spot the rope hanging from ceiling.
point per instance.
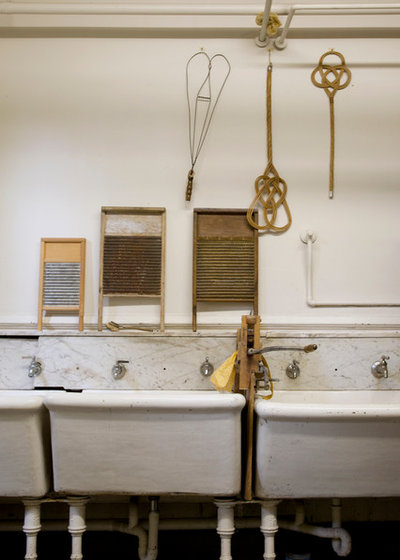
(331, 78)
(270, 188)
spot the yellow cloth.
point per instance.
(224, 376)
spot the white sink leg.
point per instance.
(31, 527)
(225, 526)
(269, 526)
(77, 525)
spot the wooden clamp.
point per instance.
(248, 337)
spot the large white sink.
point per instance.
(146, 442)
(24, 445)
(328, 444)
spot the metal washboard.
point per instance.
(62, 276)
(132, 255)
(225, 258)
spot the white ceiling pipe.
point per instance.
(309, 239)
(87, 8)
(262, 38)
(92, 8)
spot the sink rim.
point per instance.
(143, 399)
(330, 405)
(24, 399)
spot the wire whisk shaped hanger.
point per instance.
(203, 91)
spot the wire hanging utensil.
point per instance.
(270, 188)
(203, 104)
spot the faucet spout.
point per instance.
(307, 349)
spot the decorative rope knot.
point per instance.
(331, 75)
(270, 188)
(274, 23)
(332, 78)
(271, 192)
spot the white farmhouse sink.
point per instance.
(146, 442)
(24, 441)
(328, 444)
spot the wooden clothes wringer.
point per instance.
(248, 336)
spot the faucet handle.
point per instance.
(206, 368)
(35, 367)
(119, 369)
(293, 370)
(379, 368)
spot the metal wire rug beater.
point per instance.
(202, 106)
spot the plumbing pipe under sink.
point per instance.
(147, 531)
(341, 539)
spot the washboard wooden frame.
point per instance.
(132, 255)
(62, 277)
(225, 258)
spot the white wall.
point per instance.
(92, 122)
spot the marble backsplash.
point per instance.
(173, 362)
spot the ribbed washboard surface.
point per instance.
(61, 285)
(225, 269)
(132, 265)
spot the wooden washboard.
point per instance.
(62, 276)
(132, 255)
(225, 258)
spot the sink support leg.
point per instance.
(77, 525)
(31, 527)
(225, 526)
(269, 526)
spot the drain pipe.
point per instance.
(342, 546)
(341, 539)
(148, 540)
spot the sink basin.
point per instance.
(24, 444)
(328, 444)
(146, 442)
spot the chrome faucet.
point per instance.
(119, 369)
(293, 370)
(206, 368)
(379, 368)
(35, 367)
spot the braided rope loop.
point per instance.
(270, 188)
(331, 78)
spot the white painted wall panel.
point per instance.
(86, 123)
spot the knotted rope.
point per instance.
(330, 78)
(274, 23)
(270, 188)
